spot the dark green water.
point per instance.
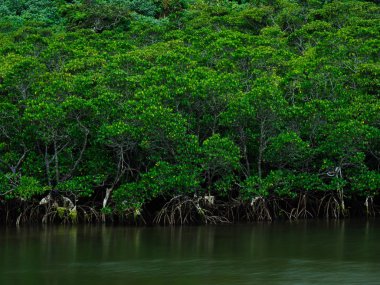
(279, 253)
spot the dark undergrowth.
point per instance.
(185, 210)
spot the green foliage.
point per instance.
(24, 187)
(220, 161)
(145, 7)
(98, 17)
(162, 179)
(129, 196)
(366, 183)
(287, 150)
(252, 187)
(278, 183)
(160, 98)
(82, 186)
(31, 10)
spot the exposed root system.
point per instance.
(183, 209)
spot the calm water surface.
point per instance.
(315, 252)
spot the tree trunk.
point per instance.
(56, 162)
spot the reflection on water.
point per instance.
(316, 252)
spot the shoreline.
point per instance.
(185, 210)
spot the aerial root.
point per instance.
(260, 209)
(186, 210)
(330, 206)
(301, 212)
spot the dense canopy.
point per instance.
(179, 111)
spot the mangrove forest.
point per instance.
(188, 111)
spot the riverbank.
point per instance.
(188, 111)
(182, 210)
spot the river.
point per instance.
(307, 252)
